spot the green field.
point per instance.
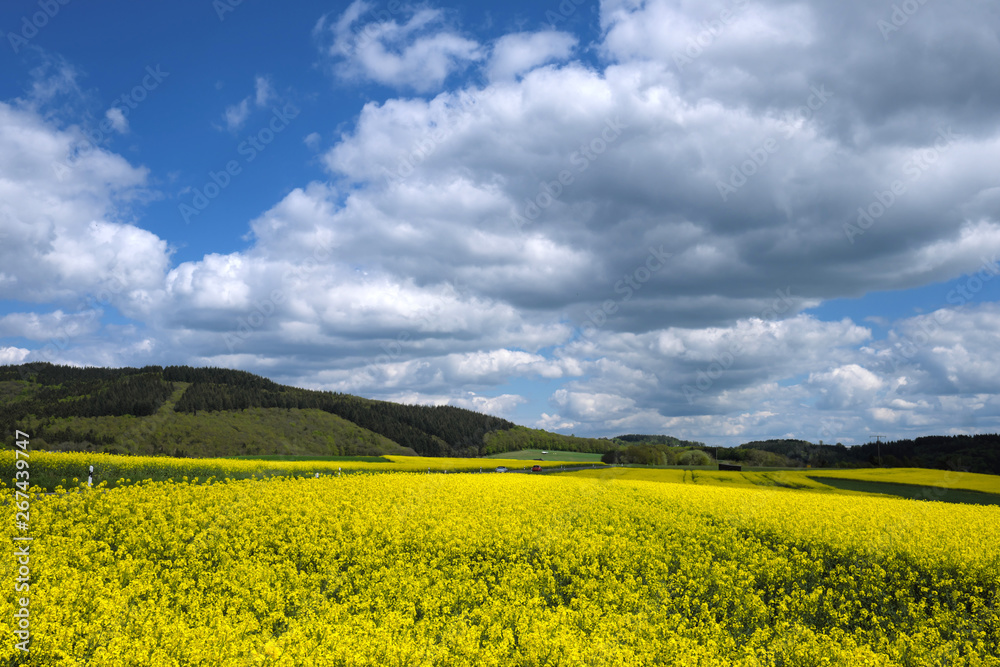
(922, 477)
(911, 491)
(553, 455)
(911, 483)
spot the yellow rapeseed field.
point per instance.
(930, 480)
(411, 569)
(782, 478)
(50, 469)
(944, 479)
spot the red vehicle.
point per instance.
(536, 468)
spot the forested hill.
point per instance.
(972, 453)
(68, 405)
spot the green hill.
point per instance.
(219, 433)
(184, 411)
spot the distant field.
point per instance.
(706, 477)
(50, 470)
(913, 491)
(913, 483)
(944, 479)
(553, 455)
(309, 457)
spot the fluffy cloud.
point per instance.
(849, 386)
(118, 120)
(554, 423)
(418, 54)
(49, 326)
(592, 406)
(517, 53)
(13, 355)
(62, 203)
(501, 406)
(657, 184)
(950, 352)
(717, 370)
(648, 249)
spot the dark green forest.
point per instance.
(49, 392)
(521, 437)
(969, 453)
(63, 391)
(428, 430)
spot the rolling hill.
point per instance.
(185, 411)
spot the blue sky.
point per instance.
(724, 220)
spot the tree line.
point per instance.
(973, 453)
(656, 454)
(656, 450)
